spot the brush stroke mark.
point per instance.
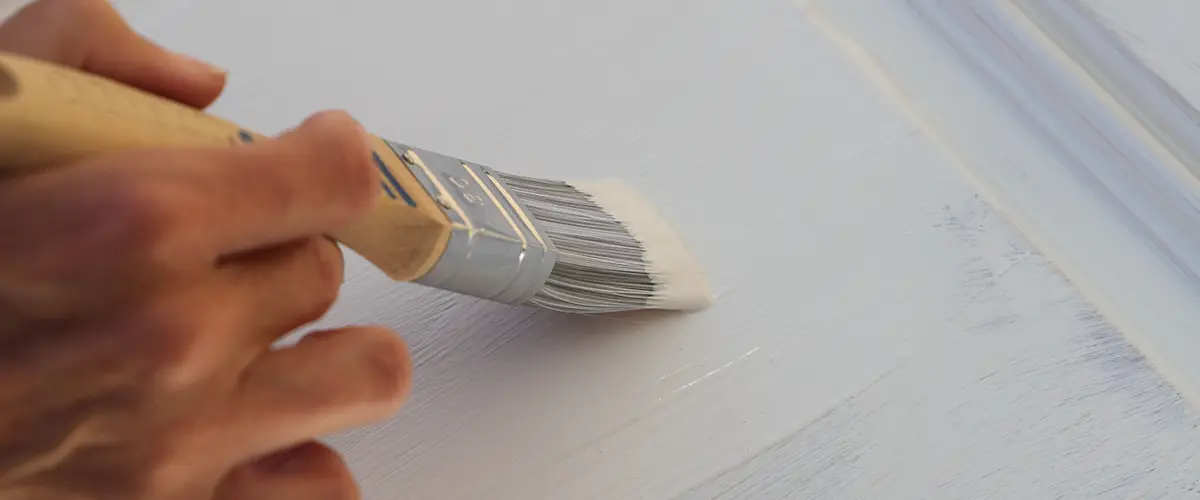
(715, 371)
(994, 406)
(981, 419)
(1114, 210)
(1149, 98)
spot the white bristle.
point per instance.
(615, 252)
(680, 281)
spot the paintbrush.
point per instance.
(439, 221)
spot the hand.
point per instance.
(141, 295)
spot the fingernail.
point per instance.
(198, 65)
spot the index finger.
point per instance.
(307, 182)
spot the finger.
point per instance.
(283, 287)
(151, 211)
(328, 382)
(193, 206)
(308, 182)
(91, 35)
(255, 299)
(310, 471)
(81, 217)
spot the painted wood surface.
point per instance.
(1161, 33)
(881, 331)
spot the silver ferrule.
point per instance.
(496, 251)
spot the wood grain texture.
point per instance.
(880, 330)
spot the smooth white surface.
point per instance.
(879, 331)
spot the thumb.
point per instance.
(91, 35)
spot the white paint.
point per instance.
(1036, 398)
(1122, 73)
(879, 331)
(1161, 33)
(1064, 161)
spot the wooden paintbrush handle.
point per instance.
(50, 114)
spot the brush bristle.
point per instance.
(615, 252)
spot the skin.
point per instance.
(142, 295)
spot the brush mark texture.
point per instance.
(1065, 160)
(1161, 34)
(880, 331)
(1033, 397)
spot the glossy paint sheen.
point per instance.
(880, 330)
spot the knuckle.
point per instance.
(169, 342)
(344, 143)
(133, 218)
(166, 337)
(91, 213)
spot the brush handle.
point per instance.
(50, 114)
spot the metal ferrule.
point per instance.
(496, 249)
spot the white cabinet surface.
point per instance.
(880, 330)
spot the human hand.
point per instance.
(141, 294)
